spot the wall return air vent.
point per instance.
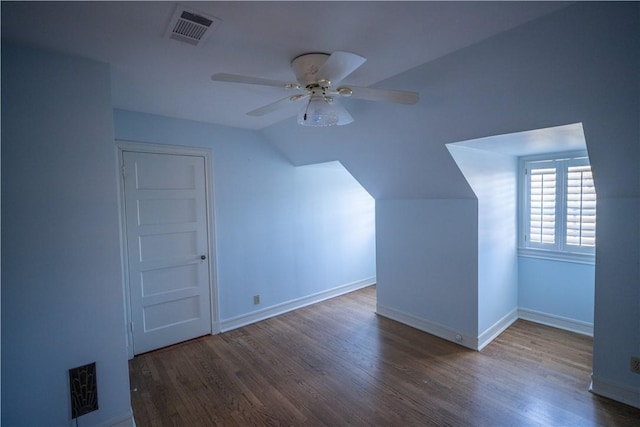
(190, 26)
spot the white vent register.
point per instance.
(190, 26)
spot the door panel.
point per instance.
(167, 236)
(166, 211)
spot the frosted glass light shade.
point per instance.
(318, 112)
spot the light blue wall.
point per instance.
(335, 229)
(62, 300)
(281, 231)
(578, 65)
(493, 178)
(558, 293)
(419, 264)
(617, 297)
(564, 289)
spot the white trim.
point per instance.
(559, 322)
(575, 257)
(559, 250)
(123, 252)
(485, 338)
(256, 316)
(148, 147)
(432, 328)
(496, 329)
(125, 421)
(120, 421)
(143, 147)
(616, 391)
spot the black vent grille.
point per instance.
(190, 27)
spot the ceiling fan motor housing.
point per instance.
(306, 67)
(316, 72)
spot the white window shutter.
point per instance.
(580, 207)
(558, 207)
(542, 205)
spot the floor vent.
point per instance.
(83, 385)
(191, 27)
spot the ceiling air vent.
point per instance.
(190, 26)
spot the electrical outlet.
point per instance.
(635, 365)
(256, 299)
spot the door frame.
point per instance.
(143, 147)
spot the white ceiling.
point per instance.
(555, 139)
(153, 74)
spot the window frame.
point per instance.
(559, 250)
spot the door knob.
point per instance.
(203, 257)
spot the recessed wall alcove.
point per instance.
(552, 292)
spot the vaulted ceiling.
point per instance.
(481, 68)
(154, 74)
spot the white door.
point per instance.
(167, 246)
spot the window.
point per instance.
(558, 208)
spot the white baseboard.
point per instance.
(429, 327)
(612, 390)
(125, 420)
(215, 327)
(256, 316)
(121, 421)
(484, 339)
(559, 322)
(496, 329)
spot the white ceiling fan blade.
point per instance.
(236, 78)
(386, 95)
(276, 105)
(338, 66)
(344, 118)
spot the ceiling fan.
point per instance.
(316, 75)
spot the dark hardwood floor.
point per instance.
(337, 363)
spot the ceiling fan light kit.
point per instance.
(315, 73)
(318, 112)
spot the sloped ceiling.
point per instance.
(161, 76)
(553, 71)
(395, 151)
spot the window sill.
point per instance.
(578, 258)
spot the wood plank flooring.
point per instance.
(337, 363)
